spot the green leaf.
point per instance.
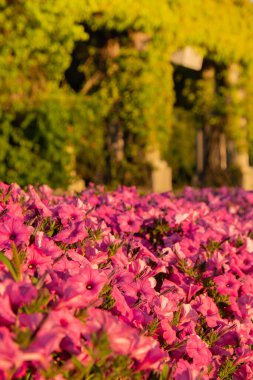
(16, 261)
(9, 265)
(40, 303)
(165, 372)
(227, 370)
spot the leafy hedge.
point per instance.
(101, 71)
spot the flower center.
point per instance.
(89, 286)
(13, 236)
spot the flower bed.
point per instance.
(119, 286)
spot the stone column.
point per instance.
(161, 175)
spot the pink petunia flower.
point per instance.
(70, 213)
(207, 307)
(198, 351)
(59, 330)
(147, 352)
(129, 222)
(72, 234)
(21, 293)
(47, 245)
(83, 289)
(164, 306)
(36, 260)
(188, 314)
(14, 230)
(7, 317)
(167, 331)
(187, 371)
(245, 305)
(227, 284)
(36, 203)
(154, 358)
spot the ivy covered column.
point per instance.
(209, 137)
(237, 124)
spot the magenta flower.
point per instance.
(32, 321)
(186, 371)
(60, 330)
(140, 289)
(47, 246)
(14, 230)
(227, 284)
(21, 293)
(148, 354)
(247, 285)
(36, 260)
(84, 288)
(188, 314)
(165, 306)
(207, 307)
(198, 351)
(47, 341)
(72, 234)
(70, 213)
(7, 317)
(167, 331)
(15, 209)
(153, 360)
(35, 202)
(121, 337)
(155, 282)
(245, 304)
(121, 305)
(129, 222)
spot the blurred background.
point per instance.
(152, 93)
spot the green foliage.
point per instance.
(14, 265)
(182, 152)
(248, 75)
(36, 40)
(34, 146)
(176, 316)
(106, 365)
(39, 304)
(151, 328)
(108, 300)
(9, 265)
(156, 232)
(126, 111)
(220, 28)
(227, 370)
(96, 76)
